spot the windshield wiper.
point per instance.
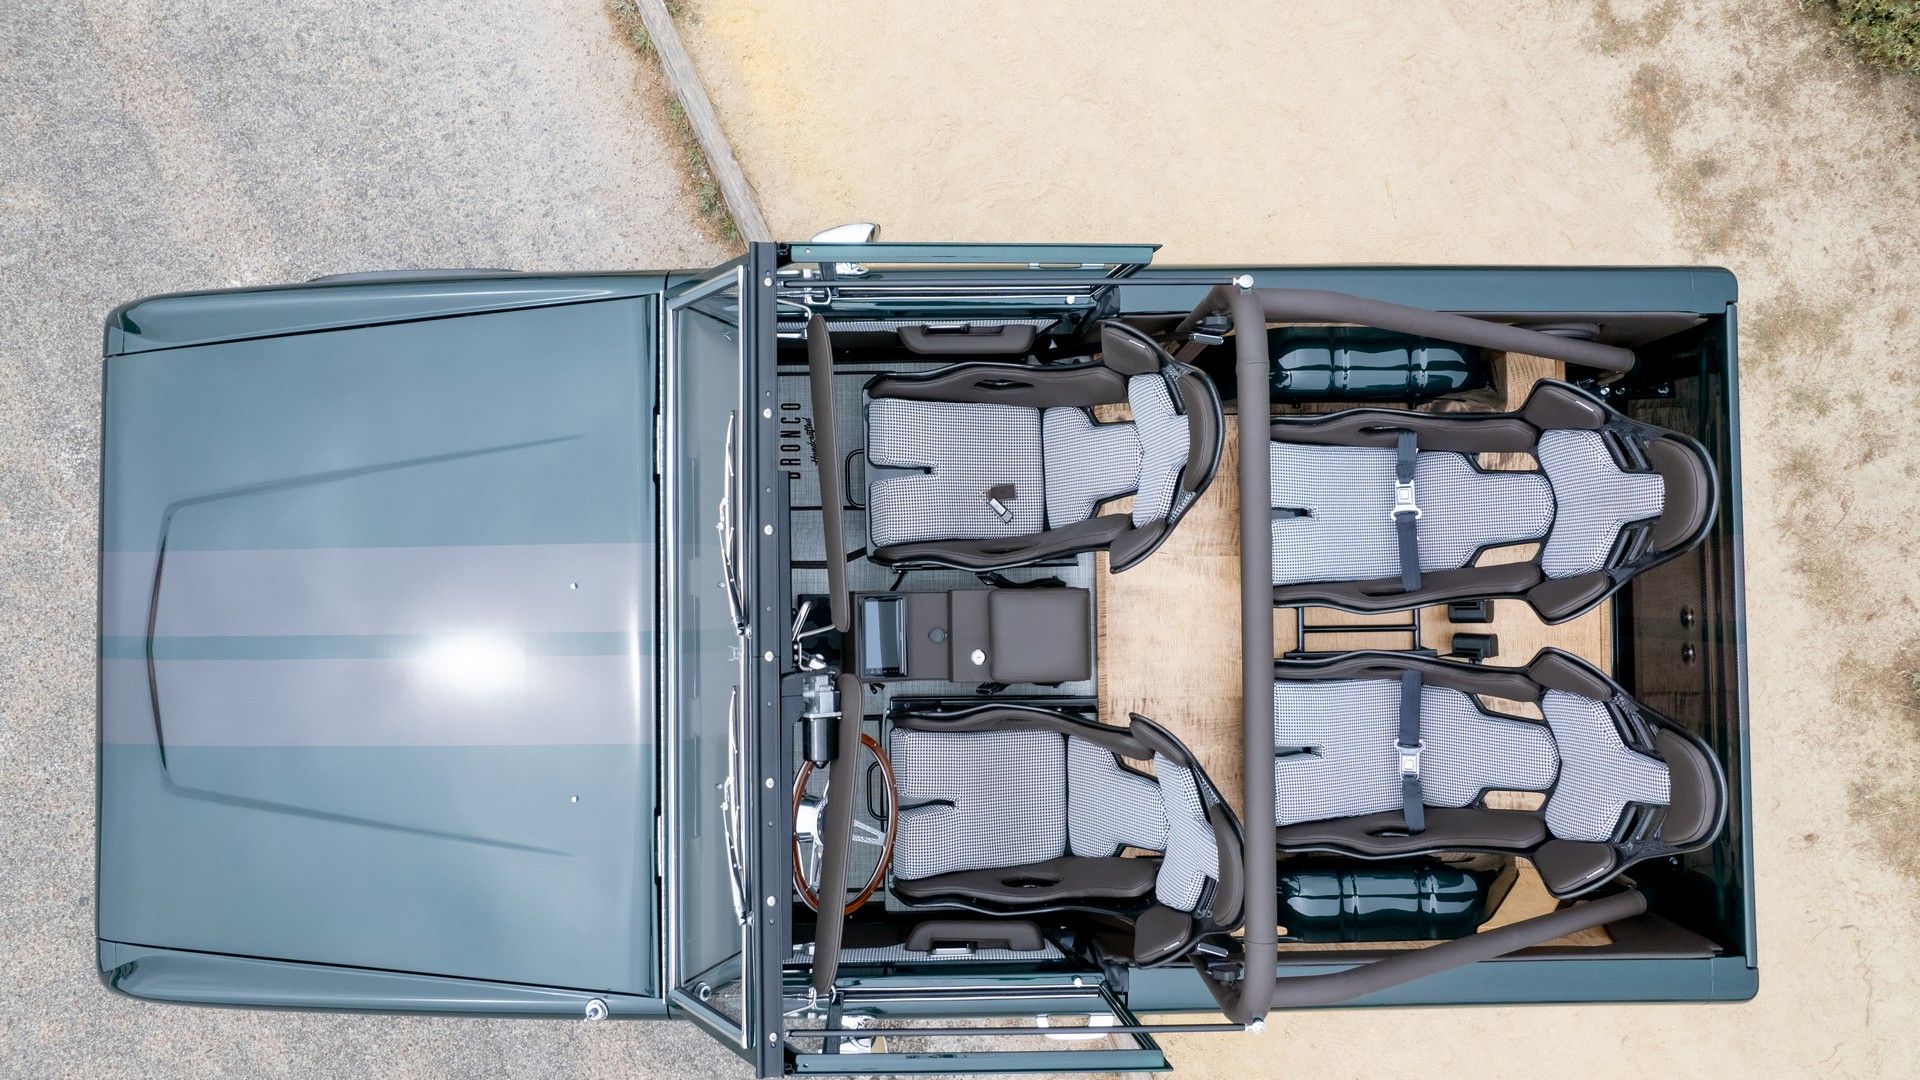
(732, 812)
(729, 537)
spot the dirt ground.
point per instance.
(1636, 131)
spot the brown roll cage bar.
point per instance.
(1245, 1000)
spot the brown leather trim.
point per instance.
(1500, 682)
(1231, 884)
(826, 460)
(1128, 351)
(1568, 865)
(1448, 828)
(1010, 339)
(1026, 718)
(1007, 384)
(1557, 670)
(1554, 404)
(1693, 791)
(969, 632)
(1065, 878)
(1039, 635)
(1089, 535)
(1438, 587)
(1689, 492)
(1466, 433)
(1204, 427)
(926, 613)
(1015, 934)
(1160, 932)
(1560, 599)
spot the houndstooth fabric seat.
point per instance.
(1009, 808)
(1612, 498)
(992, 465)
(1621, 783)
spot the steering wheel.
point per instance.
(806, 830)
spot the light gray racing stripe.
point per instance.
(534, 588)
(465, 692)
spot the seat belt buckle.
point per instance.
(1409, 758)
(1403, 501)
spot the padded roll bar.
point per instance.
(1260, 986)
(826, 452)
(1321, 306)
(837, 833)
(1247, 1001)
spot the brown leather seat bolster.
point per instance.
(1437, 587)
(1554, 404)
(1696, 795)
(1557, 670)
(1205, 432)
(1560, 599)
(1690, 495)
(1497, 682)
(1448, 829)
(1001, 383)
(1058, 880)
(1466, 433)
(993, 717)
(1566, 866)
(1011, 551)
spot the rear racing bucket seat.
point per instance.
(1385, 509)
(991, 465)
(1010, 810)
(1381, 755)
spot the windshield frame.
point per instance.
(758, 752)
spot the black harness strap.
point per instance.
(1406, 512)
(1408, 745)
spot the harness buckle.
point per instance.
(1403, 501)
(1409, 758)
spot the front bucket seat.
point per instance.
(1009, 809)
(989, 465)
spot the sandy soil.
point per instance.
(1535, 132)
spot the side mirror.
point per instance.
(854, 232)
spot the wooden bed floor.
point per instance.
(1169, 629)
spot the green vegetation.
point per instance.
(1886, 33)
(693, 160)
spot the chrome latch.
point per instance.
(1403, 502)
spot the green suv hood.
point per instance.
(377, 617)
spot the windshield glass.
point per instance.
(706, 651)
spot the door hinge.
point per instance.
(659, 846)
(659, 446)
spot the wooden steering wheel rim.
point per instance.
(800, 883)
